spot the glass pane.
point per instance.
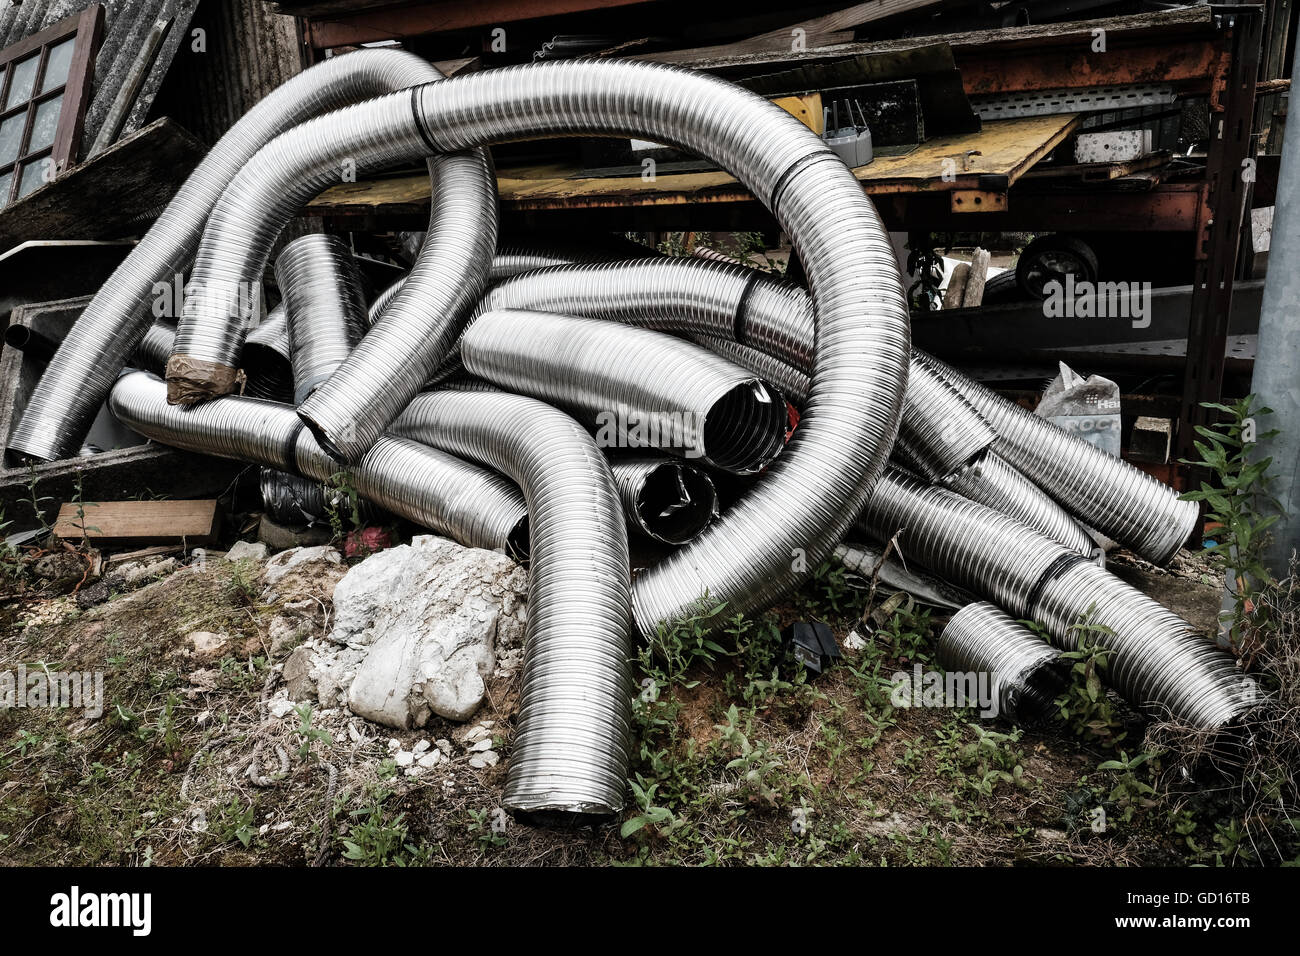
(24, 81)
(56, 66)
(46, 124)
(33, 176)
(11, 138)
(5, 182)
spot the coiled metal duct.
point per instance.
(1025, 672)
(634, 387)
(519, 255)
(664, 499)
(1101, 490)
(477, 507)
(1158, 662)
(69, 394)
(751, 556)
(324, 305)
(572, 739)
(731, 302)
(155, 346)
(986, 479)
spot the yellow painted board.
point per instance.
(1006, 147)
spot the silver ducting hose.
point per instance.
(1101, 490)
(324, 305)
(1024, 672)
(635, 388)
(986, 479)
(571, 745)
(69, 394)
(477, 507)
(735, 303)
(520, 255)
(757, 551)
(991, 481)
(156, 345)
(423, 319)
(1158, 663)
(664, 499)
(268, 361)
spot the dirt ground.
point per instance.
(199, 758)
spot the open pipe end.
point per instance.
(676, 503)
(270, 375)
(744, 430)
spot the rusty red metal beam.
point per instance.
(1190, 62)
(438, 16)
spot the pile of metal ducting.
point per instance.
(546, 401)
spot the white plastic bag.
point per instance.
(1086, 407)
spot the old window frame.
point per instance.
(87, 29)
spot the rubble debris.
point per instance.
(431, 614)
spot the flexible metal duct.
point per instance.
(731, 302)
(991, 481)
(1102, 491)
(1158, 662)
(477, 507)
(69, 394)
(1025, 673)
(987, 478)
(423, 319)
(155, 346)
(755, 553)
(664, 499)
(520, 255)
(570, 750)
(324, 305)
(268, 363)
(634, 387)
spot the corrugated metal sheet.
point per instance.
(126, 24)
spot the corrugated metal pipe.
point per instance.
(69, 394)
(1101, 490)
(665, 499)
(324, 305)
(268, 362)
(571, 744)
(986, 478)
(1158, 662)
(1025, 674)
(477, 507)
(291, 500)
(635, 388)
(948, 418)
(696, 296)
(753, 554)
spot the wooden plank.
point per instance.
(141, 522)
(1098, 172)
(953, 295)
(1004, 148)
(108, 195)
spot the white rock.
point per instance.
(431, 613)
(444, 746)
(284, 562)
(247, 549)
(394, 744)
(480, 746)
(490, 757)
(854, 641)
(477, 762)
(355, 734)
(475, 734)
(281, 708)
(404, 758)
(429, 760)
(421, 746)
